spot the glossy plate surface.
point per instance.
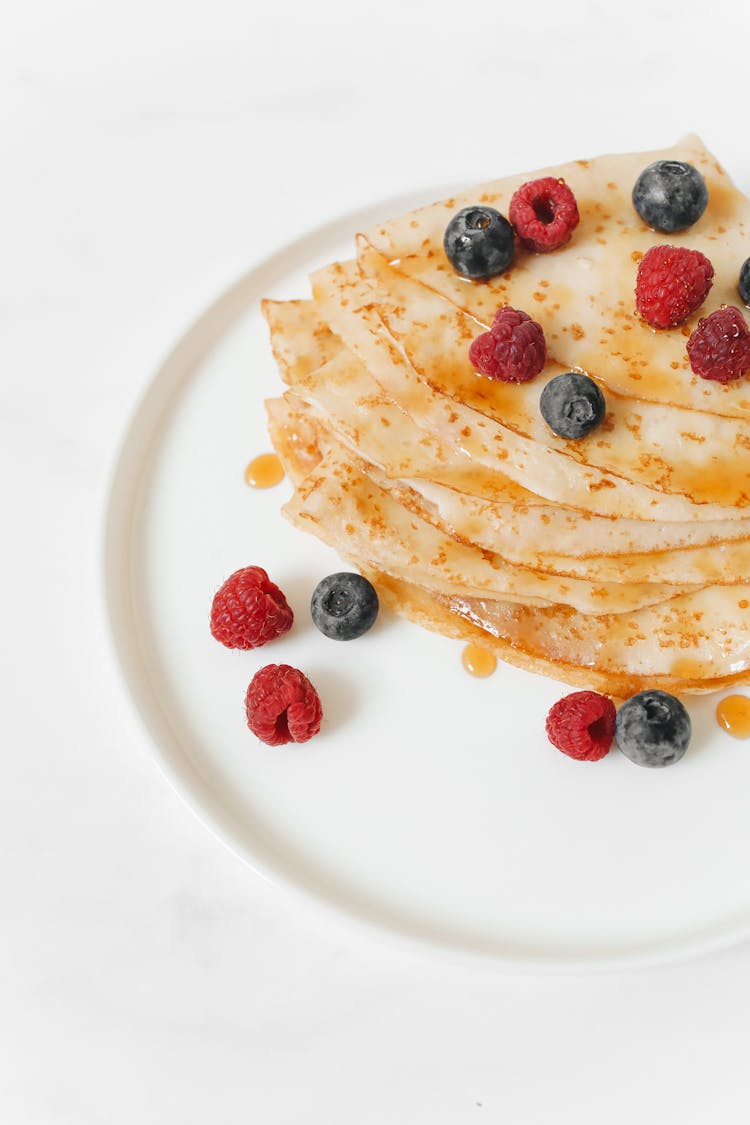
(431, 805)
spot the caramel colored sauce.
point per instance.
(733, 715)
(264, 471)
(478, 661)
(687, 668)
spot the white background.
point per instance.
(151, 151)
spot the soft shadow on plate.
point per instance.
(340, 695)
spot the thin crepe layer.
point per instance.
(346, 303)
(435, 614)
(495, 528)
(614, 562)
(705, 457)
(616, 653)
(348, 402)
(350, 511)
(602, 334)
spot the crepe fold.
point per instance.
(618, 561)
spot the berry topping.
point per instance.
(572, 405)
(653, 729)
(479, 242)
(672, 283)
(282, 706)
(344, 606)
(514, 349)
(249, 610)
(719, 347)
(582, 725)
(670, 195)
(544, 214)
(744, 282)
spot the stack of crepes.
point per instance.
(616, 562)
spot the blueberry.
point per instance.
(479, 242)
(572, 405)
(344, 606)
(670, 195)
(653, 729)
(744, 285)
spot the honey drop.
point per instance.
(264, 471)
(478, 661)
(733, 715)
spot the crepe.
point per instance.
(618, 561)
(583, 295)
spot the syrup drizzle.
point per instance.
(478, 661)
(264, 471)
(733, 715)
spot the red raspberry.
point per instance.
(514, 349)
(544, 213)
(282, 706)
(249, 610)
(672, 283)
(582, 725)
(719, 347)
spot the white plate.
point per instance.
(431, 805)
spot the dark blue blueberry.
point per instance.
(744, 285)
(344, 606)
(653, 729)
(572, 405)
(670, 195)
(479, 242)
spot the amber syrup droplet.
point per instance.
(733, 715)
(478, 661)
(264, 471)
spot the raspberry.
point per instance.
(582, 725)
(719, 347)
(672, 283)
(544, 214)
(282, 706)
(249, 610)
(514, 349)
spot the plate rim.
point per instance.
(126, 471)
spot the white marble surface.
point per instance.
(151, 151)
